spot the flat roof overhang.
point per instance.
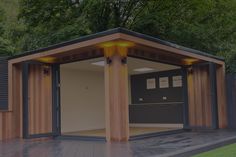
(138, 45)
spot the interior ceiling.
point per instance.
(133, 63)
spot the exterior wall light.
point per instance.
(46, 70)
(190, 69)
(108, 59)
(124, 60)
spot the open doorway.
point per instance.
(156, 97)
(82, 98)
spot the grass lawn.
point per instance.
(226, 151)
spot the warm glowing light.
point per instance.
(190, 61)
(122, 51)
(110, 48)
(117, 43)
(47, 59)
(109, 51)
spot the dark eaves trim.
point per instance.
(113, 31)
(81, 39)
(163, 42)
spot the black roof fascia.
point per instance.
(113, 31)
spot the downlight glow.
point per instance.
(47, 59)
(145, 69)
(117, 43)
(111, 47)
(99, 63)
(189, 61)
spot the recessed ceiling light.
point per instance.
(189, 61)
(117, 43)
(144, 69)
(47, 59)
(99, 63)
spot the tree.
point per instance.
(103, 14)
(206, 25)
(1, 21)
(5, 45)
(50, 22)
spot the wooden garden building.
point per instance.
(115, 85)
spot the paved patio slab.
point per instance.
(167, 145)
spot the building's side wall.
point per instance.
(82, 100)
(231, 100)
(221, 96)
(199, 96)
(11, 121)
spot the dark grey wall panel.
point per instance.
(231, 100)
(156, 113)
(138, 88)
(3, 84)
(153, 109)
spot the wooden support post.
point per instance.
(116, 94)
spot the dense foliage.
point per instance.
(207, 25)
(6, 47)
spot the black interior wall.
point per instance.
(139, 90)
(150, 105)
(156, 113)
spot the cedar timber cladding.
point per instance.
(11, 120)
(40, 99)
(116, 94)
(199, 96)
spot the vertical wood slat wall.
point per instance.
(40, 99)
(11, 121)
(199, 96)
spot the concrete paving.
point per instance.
(166, 145)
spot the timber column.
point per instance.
(116, 93)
